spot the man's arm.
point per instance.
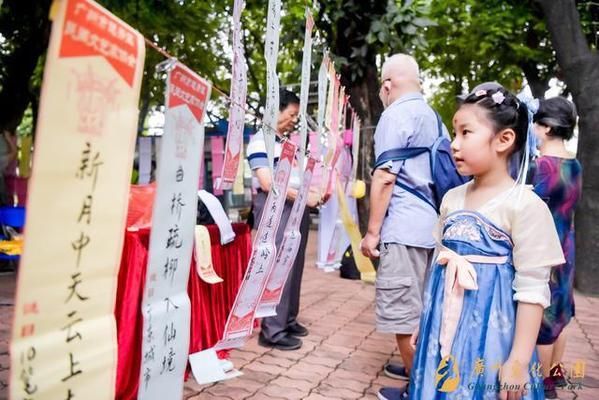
(381, 190)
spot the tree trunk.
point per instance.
(30, 42)
(369, 107)
(363, 88)
(580, 69)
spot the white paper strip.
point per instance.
(271, 54)
(287, 250)
(166, 305)
(234, 143)
(305, 86)
(218, 214)
(241, 318)
(145, 160)
(322, 100)
(355, 145)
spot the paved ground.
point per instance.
(342, 357)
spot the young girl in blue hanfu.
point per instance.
(497, 243)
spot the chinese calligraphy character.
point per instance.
(79, 244)
(86, 210)
(27, 371)
(169, 302)
(73, 288)
(71, 336)
(180, 174)
(173, 239)
(73, 372)
(89, 165)
(168, 362)
(147, 376)
(170, 267)
(149, 355)
(176, 205)
(169, 334)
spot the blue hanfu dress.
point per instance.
(506, 249)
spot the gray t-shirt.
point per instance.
(408, 122)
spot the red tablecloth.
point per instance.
(210, 304)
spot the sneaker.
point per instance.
(391, 393)
(286, 343)
(557, 375)
(297, 330)
(396, 372)
(550, 392)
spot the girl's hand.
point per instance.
(414, 338)
(513, 379)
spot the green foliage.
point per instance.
(485, 40)
(360, 31)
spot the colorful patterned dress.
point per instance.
(467, 328)
(558, 181)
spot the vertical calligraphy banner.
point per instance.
(271, 54)
(234, 146)
(64, 334)
(287, 250)
(241, 318)
(166, 306)
(322, 101)
(305, 86)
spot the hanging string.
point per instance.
(224, 94)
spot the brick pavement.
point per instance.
(343, 355)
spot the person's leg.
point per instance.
(406, 351)
(297, 271)
(273, 328)
(545, 353)
(399, 287)
(559, 347)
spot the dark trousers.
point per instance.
(273, 328)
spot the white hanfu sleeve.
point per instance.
(536, 250)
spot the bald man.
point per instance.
(400, 224)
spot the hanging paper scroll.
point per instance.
(234, 146)
(305, 86)
(145, 159)
(271, 54)
(322, 98)
(203, 256)
(355, 144)
(63, 342)
(218, 155)
(238, 187)
(287, 250)
(241, 318)
(330, 94)
(363, 263)
(166, 305)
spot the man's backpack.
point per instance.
(443, 169)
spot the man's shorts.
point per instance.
(400, 287)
